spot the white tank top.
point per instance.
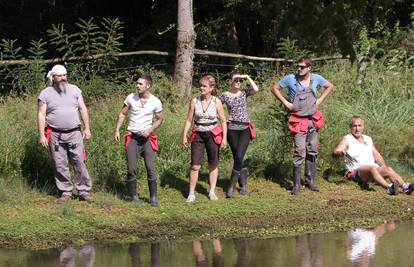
(361, 151)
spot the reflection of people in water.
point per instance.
(361, 243)
(241, 246)
(86, 255)
(134, 251)
(200, 257)
(308, 248)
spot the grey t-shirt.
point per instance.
(62, 107)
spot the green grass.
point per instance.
(269, 211)
(29, 216)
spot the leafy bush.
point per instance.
(91, 41)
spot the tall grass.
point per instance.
(386, 102)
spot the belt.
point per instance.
(138, 135)
(205, 123)
(78, 128)
(238, 122)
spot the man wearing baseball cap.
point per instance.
(59, 126)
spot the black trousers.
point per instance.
(239, 141)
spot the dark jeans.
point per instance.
(138, 147)
(238, 141)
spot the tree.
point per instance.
(183, 73)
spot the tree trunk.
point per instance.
(183, 73)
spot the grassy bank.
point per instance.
(30, 218)
(37, 222)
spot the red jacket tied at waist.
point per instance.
(299, 125)
(153, 139)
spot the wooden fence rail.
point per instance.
(160, 53)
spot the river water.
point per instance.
(390, 244)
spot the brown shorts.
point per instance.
(204, 140)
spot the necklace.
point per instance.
(202, 108)
(142, 102)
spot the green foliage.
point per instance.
(210, 34)
(99, 43)
(90, 41)
(61, 40)
(9, 49)
(288, 48)
(113, 35)
(24, 78)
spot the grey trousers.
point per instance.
(306, 145)
(67, 147)
(84, 257)
(136, 149)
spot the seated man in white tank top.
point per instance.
(363, 161)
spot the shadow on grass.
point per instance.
(277, 172)
(38, 168)
(112, 184)
(169, 179)
(338, 177)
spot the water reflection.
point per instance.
(134, 251)
(85, 255)
(308, 248)
(201, 258)
(361, 243)
(390, 244)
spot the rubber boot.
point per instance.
(296, 176)
(310, 174)
(152, 185)
(132, 189)
(243, 182)
(233, 181)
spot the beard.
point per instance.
(62, 85)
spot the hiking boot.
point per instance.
(296, 177)
(86, 197)
(409, 189)
(190, 199)
(243, 182)
(296, 190)
(310, 175)
(235, 175)
(136, 200)
(212, 196)
(393, 188)
(64, 199)
(152, 185)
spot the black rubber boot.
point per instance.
(296, 176)
(310, 174)
(152, 185)
(132, 189)
(243, 182)
(233, 181)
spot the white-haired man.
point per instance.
(365, 163)
(60, 130)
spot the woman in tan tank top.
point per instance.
(205, 110)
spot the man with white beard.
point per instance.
(59, 126)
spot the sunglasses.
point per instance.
(301, 67)
(237, 80)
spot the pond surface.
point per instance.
(390, 244)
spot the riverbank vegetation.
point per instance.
(30, 217)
